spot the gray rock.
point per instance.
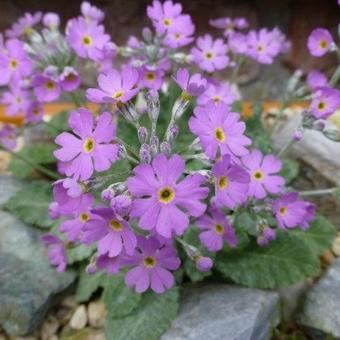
(314, 148)
(225, 312)
(321, 306)
(28, 284)
(8, 187)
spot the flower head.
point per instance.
(112, 233)
(150, 77)
(15, 63)
(161, 200)
(56, 251)
(24, 25)
(91, 13)
(115, 87)
(316, 79)
(46, 88)
(51, 20)
(192, 86)
(290, 211)
(210, 55)
(319, 42)
(87, 39)
(262, 170)
(34, 113)
(69, 79)
(153, 262)
(231, 183)
(216, 229)
(8, 138)
(219, 130)
(90, 147)
(325, 101)
(16, 100)
(229, 25)
(217, 93)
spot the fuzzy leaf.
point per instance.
(31, 204)
(79, 253)
(119, 300)
(151, 318)
(319, 236)
(88, 284)
(285, 261)
(58, 123)
(290, 170)
(36, 154)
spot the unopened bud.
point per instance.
(142, 134)
(147, 34)
(165, 148)
(153, 105)
(297, 135)
(172, 133)
(145, 153)
(154, 144)
(121, 204)
(107, 194)
(203, 264)
(91, 269)
(122, 154)
(319, 125)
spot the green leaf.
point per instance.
(36, 154)
(58, 123)
(319, 236)
(31, 204)
(79, 253)
(152, 318)
(283, 262)
(88, 284)
(119, 300)
(290, 170)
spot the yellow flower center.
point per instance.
(258, 175)
(323, 44)
(209, 55)
(222, 182)
(36, 112)
(87, 40)
(166, 195)
(149, 262)
(115, 225)
(84, 217)
(50, 85)
(89, 145)
(18, 100)
(178, 36)
(219, 135)
(118, 94)
(283, 211)
(27, 30)
(13, 64)
(216, 99)
(219, 229)
(260, 48)
(322, 106)
(167, 22)
(185, 96)
(150, 76)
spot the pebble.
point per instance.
(96, 313)
(336, 245)
(49, 327)
(79, 318)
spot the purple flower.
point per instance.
(69, 195)
(15, 63)
(8, 138)
(168, 17)
(291, 212)
(91, 13)
(46, 88)
(160, 199)
(262, 170)
(316, 79)
(192, 86)
(90, 148)
(216, 229)
(24, 25)
(121, 204)
(210, 55)
(325, 101)
(231, 183)
(203, 263)
(153, 262)
(34, 113)
(115, 87)
(16, 100)
(51, 20)
(319, 42)
(151, 78)
(112, 233)
(111, 265)
(87, 39)
(219, 129)
(69, 80)
(56, 251)
(217, 93)
(229, 25)
(264, 45)
(238, 43)
(81, 215)
(180, 37)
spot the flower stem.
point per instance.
(335, 77)
(49, 173)
(286, 147)
(52, 126)
(318, 192)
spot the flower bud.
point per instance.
(142, 134)
(165, 148)
(107, 194)
(153, 105)
(147, 34)
(122, 153)
(319, 125)
(53, 210)
(172, 133)
(121, 204)
(203, 264)
(297, 135)
(262, 241)
(145, 153)
(154, 144)
(269, 234)
(91, 269)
